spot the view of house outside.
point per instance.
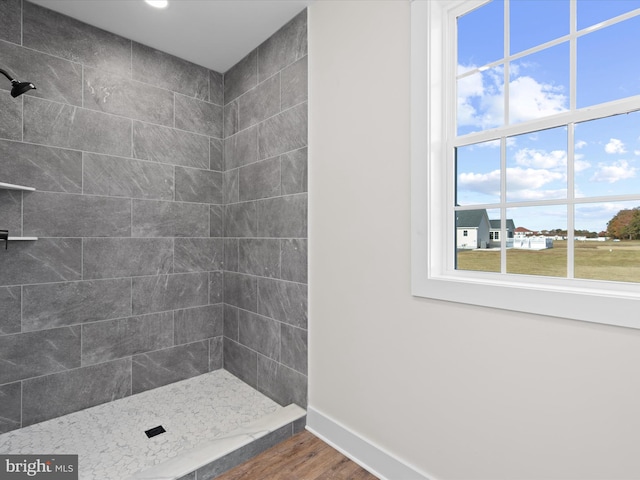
(578, 181)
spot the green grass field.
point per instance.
(618, 261)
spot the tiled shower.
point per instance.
(171, 215)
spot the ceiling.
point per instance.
(213, 33)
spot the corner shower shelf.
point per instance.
(11, 186)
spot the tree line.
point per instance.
(625, 225)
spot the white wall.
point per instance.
(459, 392)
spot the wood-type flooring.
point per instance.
(302, 457)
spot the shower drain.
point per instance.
(152, 432)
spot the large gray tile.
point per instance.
(43, 168)
(281, 384)
(170, 72)
(242, 77)
(198, 116)
(259, 257)
(112, 339)
(62, 36)
(283, 47)
(11, 20)
(125, 177)
(189, 476)
(11, 401)
(217, 467)
(241, 362)
(216, 154)
(169, 219)
(66, 126)
(58, 304)
(11, 213)
(231, 186)
(241, 291)
(197, 254)
(155, 369)
(10, 117)
(231, 322)
(216, 87)
(216, 287)
(231, 254)
(200, 323)
(293, 348)
(169, 292)
(126, 257)
(54, 78)
(25, 355)
(241, 148)
(294, 171)
(259, 103)
(216, 221)
(294, 83)
(55, 395)
(110, 93)
(200, 186)
(284, 132)
(45, 260)
(241, 220)
(231, 118)
(284, 301)
(10, 301)
(71, 215)
(260, 180)
(260, 334)
(284, 217)
(293, 255)
(169, 145)
(216, 353)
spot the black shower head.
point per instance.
(18, 88)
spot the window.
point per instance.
(536, 128)
(465, 233)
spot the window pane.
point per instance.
(537, 165)
(538, 245)
(606, 69)
(480, 100)
(591, 12)
(480, 35)
(478, 173)
(476, 251)
(607, 156)
(616, 256)
(534, 22)
(539, 84)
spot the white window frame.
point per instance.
(611, 303)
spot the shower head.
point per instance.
(18, 88)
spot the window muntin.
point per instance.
(532, 157)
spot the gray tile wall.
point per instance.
(123, 290)
(265, 229)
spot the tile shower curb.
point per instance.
(217, 449)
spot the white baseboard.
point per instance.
(369, 456)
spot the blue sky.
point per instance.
(607, 151)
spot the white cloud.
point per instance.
(519, 179)
(531, 157)
(481, 98)
(614, 172)
(530, 99)
(614, 146)
(636, 152)
(487, 183)
(580, 165)
(580, 144)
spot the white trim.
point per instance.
(365, 453)
(431, 273)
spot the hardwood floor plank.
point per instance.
(302, 457)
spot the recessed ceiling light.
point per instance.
(158, 3)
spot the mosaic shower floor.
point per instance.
(110, 439)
